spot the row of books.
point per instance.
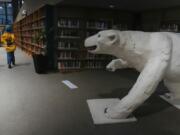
(94, 64)
(95, 56)
(69, 65)
(70, 33)
(170, 27)
(68, 45)
(74, 55)
(67, 55)
(97, 24)
(70, 23)
(75, 23)
(33, 49)
(33, 24)
(77, 65)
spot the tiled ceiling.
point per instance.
(5, 0)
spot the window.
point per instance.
(2, 13)
(9, 8)
(9, 13)
(9, 19)
(2, 19)
(6, 13)
(2, 8)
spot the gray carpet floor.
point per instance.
(33, 104)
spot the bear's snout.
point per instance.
(90, 43)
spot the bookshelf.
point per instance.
(17, 32)
(69, 39)
(71, 53)
(29, 33)
(33, 34)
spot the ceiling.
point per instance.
(134, 5)
(131, 5)
(5, 0)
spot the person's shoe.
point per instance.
(9, 66)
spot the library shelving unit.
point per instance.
(34, 33)
(69, 38)
(17, 32)
(71, 53)
(73, 26)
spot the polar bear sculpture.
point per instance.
(156, 55)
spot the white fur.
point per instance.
(155, 55)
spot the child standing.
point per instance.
(10, 48)
(8, 43)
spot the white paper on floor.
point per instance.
(175, 103)
(69, 84)
(97, 107)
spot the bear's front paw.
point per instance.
(114, 113)
(116, 64)
(111, 67)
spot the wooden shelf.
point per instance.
(95, 59)
(69, 37)
(68, 49)
(94, 68)
(67, 59)
(28, 36)
(66, 27)
(34, 28)
(34, 21)
(94, 28)
(70, 68)
(30, 28)
(33, 44)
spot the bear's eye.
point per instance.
(99, 35)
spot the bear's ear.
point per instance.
(112, 38)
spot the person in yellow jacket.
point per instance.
(7, 35)
(7, 40)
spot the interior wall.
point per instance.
(153, 20)
(31, 5)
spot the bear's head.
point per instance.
(104, 42)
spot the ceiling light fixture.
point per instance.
(111, 6)
(9, 5)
